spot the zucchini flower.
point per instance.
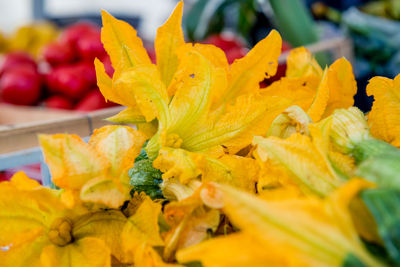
(384, 118)
(95, 173)
(318, 92)
(205, 110)
(321, 235)
(292, 120)
(38, 229)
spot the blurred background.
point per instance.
(47, 47)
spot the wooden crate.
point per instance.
(29, 122)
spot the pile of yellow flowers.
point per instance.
(217, 172)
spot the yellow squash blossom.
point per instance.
(200, 103)
(98, 171)
(190, 222)
(384, 118)
(312, 231)
(39, 230)
(316, 91)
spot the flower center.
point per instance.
(173, 140)
(60, 232)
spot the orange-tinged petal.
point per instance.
(143, 83)
(104, 225)
(342, 86)
(261, 61)
(86, 252)
(320, 100)
(169, 37)
(384, 118)
(119, 144)
(122, 44)
(72, 162)
(142, 227)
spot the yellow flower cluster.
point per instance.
(249, 176)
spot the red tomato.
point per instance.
(58, 102)
(75, 31)
(57, 53)
(67, 81)
(15, 59)
(20, 86)
(89, 46)
(92, 101)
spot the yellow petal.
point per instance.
(146, 256)
(119, 144)
(86, 252)
(142, 227)
(384, 118)
(190, 221)
(275, 183)
(243, 251)
(104, 82)
(169, 37)
(104, 225)
(342, 86)
(322, 235)
(213, 54)
(250, 115)
(301, 159)
(246, 73)
(301, 64)
(129, 116)
(320, 101)
(24, 212)
(72, 162)
(23, 182)
(143, 83)
(299, 92)
(105, 191)
(233, 170)
(292, 120)
(26, 253)
(178, 163)
(195, 82)
(122, 44)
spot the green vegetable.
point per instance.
(384, 206)
(144, 177)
